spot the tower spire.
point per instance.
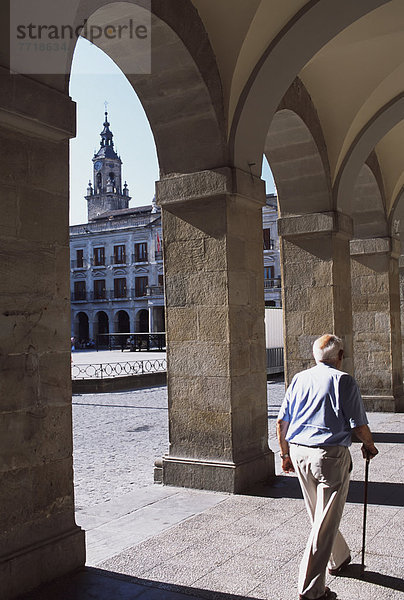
(106, 134)
(106, 194)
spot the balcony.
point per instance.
(79, 264)
(271, 245)
(272, 283)
(98, 262)
(155, 290)
(117, 261)
(139, 259)
(127, 294)
(120, 294)
(100, 295)
(138, 293)
(159, 255)
(79, 296)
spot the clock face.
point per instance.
(97, 165)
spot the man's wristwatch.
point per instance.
(285, 456)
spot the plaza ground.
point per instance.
(150, 541)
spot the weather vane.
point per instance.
(106, 106)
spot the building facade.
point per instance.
(116, 258)
(272, 266)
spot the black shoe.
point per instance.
(341, 568)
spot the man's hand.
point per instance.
(287, 465)
(369, 452)
(281, 431)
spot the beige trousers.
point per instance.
(324, 478)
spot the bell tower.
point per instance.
(106, 192)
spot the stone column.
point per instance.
(377, 323)
(39, 539)
(212, 232)
(316, 287)
(151, 319)
(91, 325)
(132, 317)
(401, 283)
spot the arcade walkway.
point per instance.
(183, 544)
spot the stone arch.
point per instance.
(375, 293)
(300, 39)
(396, 226)
(159, 319)
(368, 202)
(82, 326)
(142, 321)
(313, 238)
(300, 170)
(182, 96)
(121, 322)
(396, 217)
(363, 145)
(101, 327)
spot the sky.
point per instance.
(96, 79)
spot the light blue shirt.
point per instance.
(322, 405)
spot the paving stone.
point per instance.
(205, 544)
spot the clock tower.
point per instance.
(106, 193)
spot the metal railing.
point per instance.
(126, 294)
(112, 260)
(98, 262)
(136, 258)
(79, 264)
(155, 290)
(133, 341)
(272, 283)
(118, 369)
(117, 260)
(80, 296)
(275, 360)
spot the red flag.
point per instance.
(158, 242)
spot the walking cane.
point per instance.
(365, 506)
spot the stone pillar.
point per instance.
(132, 317)
(151, 319)
(91, 325)
(212, 232)
(39, 539)
(316, 286)
(377, 323)
(401, 283)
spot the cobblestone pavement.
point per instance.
(118, 436)
(167, 543)
(111, 356)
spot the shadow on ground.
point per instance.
(380, 493)
(89, 584)
(353, 571)
(388, 438)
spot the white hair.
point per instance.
(326, 348)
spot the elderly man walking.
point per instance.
(321, 408)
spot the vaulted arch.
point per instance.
(367, 139)
(182, 95)
(296, 152)
(315, 24)
(368, 203)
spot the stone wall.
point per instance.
(39, 538)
